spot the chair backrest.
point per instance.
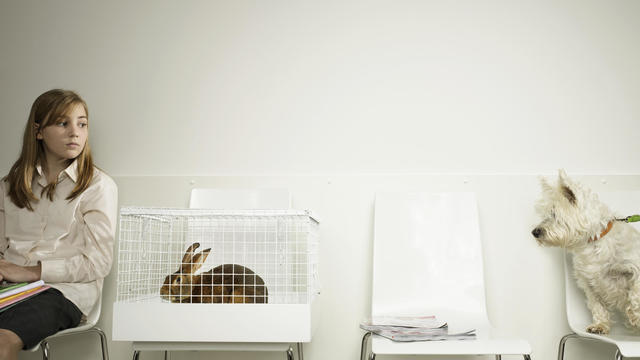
(623, 203)
(94, 315)
(205, 198)
(427, 257)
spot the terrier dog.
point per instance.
(606, 251)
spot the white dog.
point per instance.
(606, 250)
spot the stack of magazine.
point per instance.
(414, 328)
(12, 294)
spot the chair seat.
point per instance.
(626, 340)
(82, 327)
(503, 346)
(73, 330)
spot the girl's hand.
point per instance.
(16, 273)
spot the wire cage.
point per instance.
(249, 266)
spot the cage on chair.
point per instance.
(253, 275)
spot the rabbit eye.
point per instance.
(178, 280)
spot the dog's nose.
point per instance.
(536, 232)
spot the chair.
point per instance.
(427, 260)
(86, 327)
(578, 315)
(209, 198)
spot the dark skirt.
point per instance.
(40, 316)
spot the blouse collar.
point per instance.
(71, 171)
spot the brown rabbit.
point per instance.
(228, 283)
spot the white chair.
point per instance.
(578, 315)
(427, 260)
(89, 326)
(209, 198)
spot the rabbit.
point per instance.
(227, 283)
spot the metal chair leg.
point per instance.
(363, 347)
(300, 352)
(498, 357)
(136, 355)
(103, 342)
(44, 346)
(618, 355)
(562, 343)
(526, 356)
(290, 353)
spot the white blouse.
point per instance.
(73, 240)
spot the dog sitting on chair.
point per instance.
(606, 251)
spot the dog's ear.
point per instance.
(568, 194)
(544, 183)
(565, 186)
(562, 177)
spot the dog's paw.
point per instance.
(598, 329)
(633, 318)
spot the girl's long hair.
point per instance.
(45, 111)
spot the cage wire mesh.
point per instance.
(279, 246)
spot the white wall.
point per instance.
(365, 95)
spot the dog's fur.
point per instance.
(606, 267)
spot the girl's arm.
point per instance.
(99, 212)
(16, 273)
(9, 271)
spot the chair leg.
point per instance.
(363, 347)
(562, 343)
(44, 346)
(290, 353)
(498, 357)
(526, 356)
(300, 352)
(103, 342)
(136, 355)
(618, 355)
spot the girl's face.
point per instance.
(65, 138)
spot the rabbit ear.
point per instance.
(186, 259)
(199, 259)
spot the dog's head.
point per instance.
(571, 213)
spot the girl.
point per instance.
(57, 223)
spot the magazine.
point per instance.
(408, 321)
(414, 328)
(12, 289)
(6, 286)
(13, 294)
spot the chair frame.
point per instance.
(372, 355)
(575, 335)
(578, 316)
(564, 339)
(88, 327)
(44, 344)
(394, 209)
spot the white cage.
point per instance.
(279, 246)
